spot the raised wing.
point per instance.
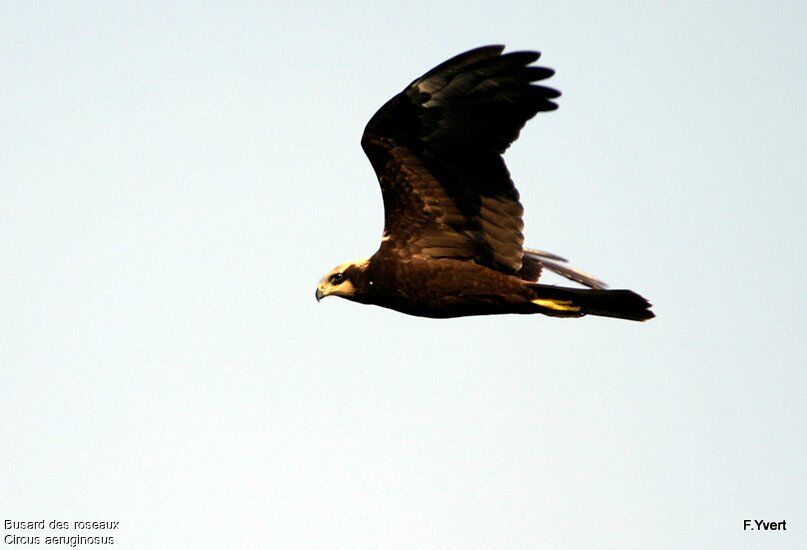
(436, 148)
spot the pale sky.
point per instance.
(177, 177)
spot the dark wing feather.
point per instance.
(436, 148)
(534, 261)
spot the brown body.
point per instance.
(440, 288)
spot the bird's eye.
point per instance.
(337, 278)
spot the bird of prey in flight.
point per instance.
(452, 244)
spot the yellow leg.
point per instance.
(557, 305)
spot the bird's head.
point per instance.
(345, 280)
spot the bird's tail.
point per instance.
(561, 301)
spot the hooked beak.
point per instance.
(319, 294)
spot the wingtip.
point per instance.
(499, 48)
